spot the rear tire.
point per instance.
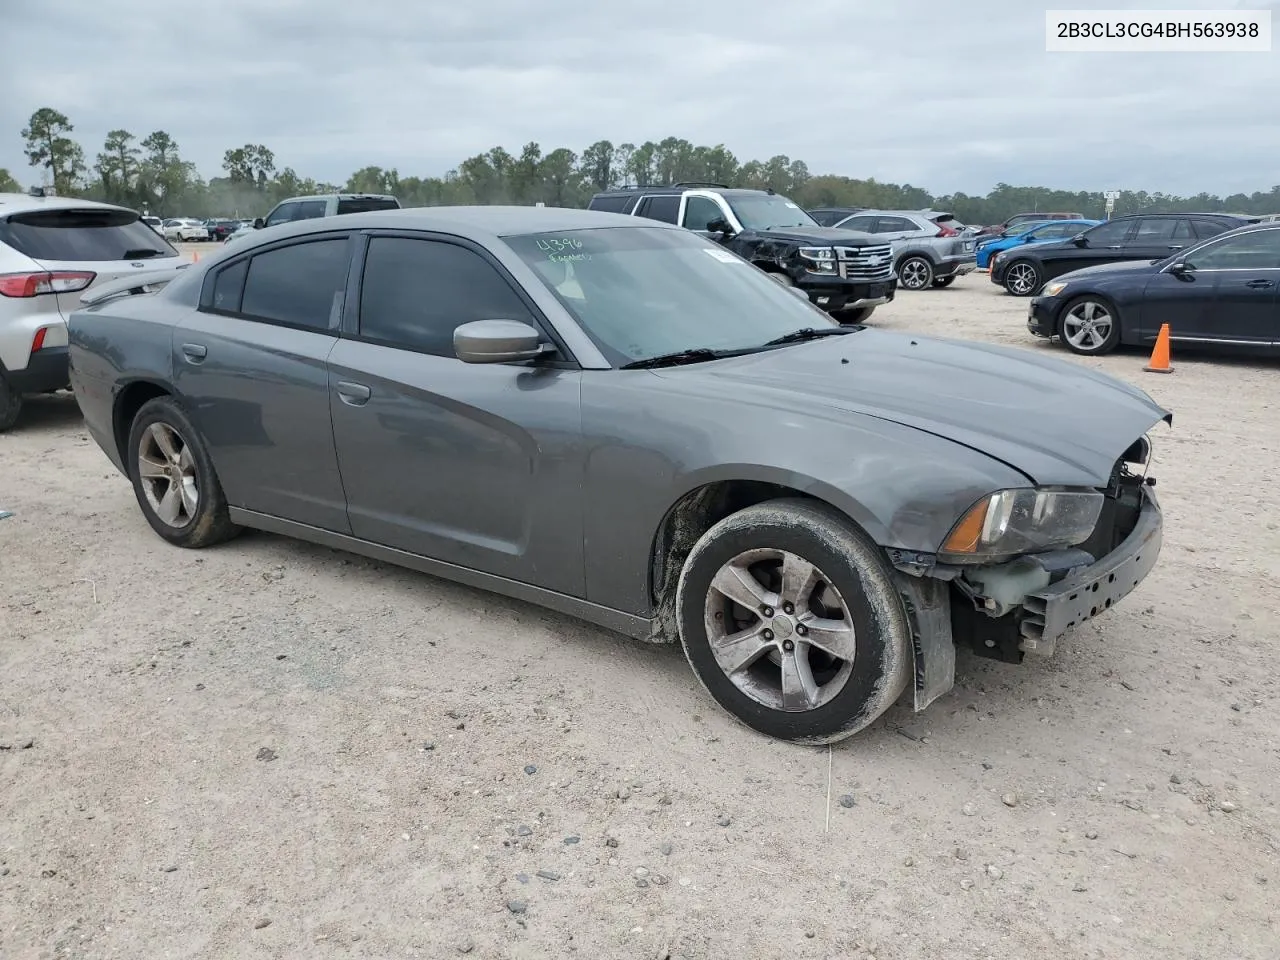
(173, 477)
(915, 273)
(10, 403)
(790, 619)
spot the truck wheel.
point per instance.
(915, 273)
(857, 315)
(790, 619)
(10, 403)
(173, 477)
(782, 278)
(941, 282)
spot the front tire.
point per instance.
(173, 477)
(915, 273)
(857, 315)
(10, 403)
(1090, 326)
(1022, 278)
(790, 619)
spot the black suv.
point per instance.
(1024, 270)
(842, 271)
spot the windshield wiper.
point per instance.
(808, 333)
(142, 254)
(695, 355)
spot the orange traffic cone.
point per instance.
(195, 256)
(1159, 362)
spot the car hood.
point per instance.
(1123, 268)
(1055, 421)
(826, 236)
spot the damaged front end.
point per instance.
(1079, 552)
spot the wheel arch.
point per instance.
(128, 401)
(707, 500)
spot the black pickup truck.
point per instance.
(846, 273)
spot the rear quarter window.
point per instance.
(365, 206)
(85, 235)
(608, 204)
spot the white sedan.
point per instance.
(185, 229)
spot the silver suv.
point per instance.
(930, 248)
(53, 249)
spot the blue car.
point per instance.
(1040, 232)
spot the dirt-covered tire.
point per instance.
(10, 403)
(940, 282)
(816, 644)
(173, 477)
(915, 273)
(781, 278)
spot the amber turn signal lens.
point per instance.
(964, 538)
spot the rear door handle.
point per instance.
(1259, 284)
(354, 394)
(194, 352)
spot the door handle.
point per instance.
(194, 352)
(353, 394)
(1258, 284)
(1175, 246)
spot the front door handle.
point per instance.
(194, 352)
(1175, 246)
(354, 394)
(1258, 284)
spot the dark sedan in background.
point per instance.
(1138, 237)
(1221, 292)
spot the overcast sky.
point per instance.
(941, 94)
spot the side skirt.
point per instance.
(632, 626)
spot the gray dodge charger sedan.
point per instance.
(619, 419)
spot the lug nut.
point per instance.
(788, 608)
(767, 610)
(788, 646)
(801, 629)
(768, 634)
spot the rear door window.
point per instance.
(300, 285)
(1154, 230)
(863, 224)
(895, 225)
(366, 204)
(1209, 228)
(83, 234)
(665, 209)
(311, 209)
(609, 204)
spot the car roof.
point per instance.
(675, 190)
(11, 203)
(476, 222)
(340, 196)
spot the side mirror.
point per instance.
(258, 223)
(1026, 239)
(719, 225)
(496, 341)
(1080, 240)
(1181, 268)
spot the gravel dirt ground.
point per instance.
(271, 749)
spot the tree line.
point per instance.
(148, 173)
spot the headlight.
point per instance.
(821, 259)
(1009, 523)
(1054, 288)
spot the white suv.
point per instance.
(53, 249)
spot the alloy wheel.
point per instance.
(1087, 326)
(168, 474)
(915, 274)
(779, 630)
(1021, 279)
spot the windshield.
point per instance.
(644, 292)
(765, 211)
